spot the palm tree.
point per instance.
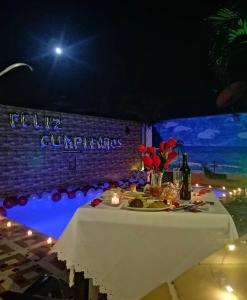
(228, 53)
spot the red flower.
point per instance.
(167, 163)
(147, 161)
(162, 145)
(142, 148)
(172, 155)
(172, 142)
(151, 150)
(156, 161)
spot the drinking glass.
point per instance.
(177, 181)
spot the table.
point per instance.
(129, 253)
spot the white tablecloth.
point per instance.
(129, 253)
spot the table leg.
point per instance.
(80, 286)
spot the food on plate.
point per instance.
(157, 204)
(136, 203)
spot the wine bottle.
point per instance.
(185, 192)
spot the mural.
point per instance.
(218, 143)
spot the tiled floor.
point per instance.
(23, 258)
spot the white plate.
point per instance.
(143, 208)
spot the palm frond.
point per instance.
(238, 33)
(223, 17)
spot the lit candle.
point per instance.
(230, 193)
(223, 187)
(231, 247)
(234, 192)
(49, 241)
(115, 199)
(29, 232)
(9, 224)
(229, 289)
(210, 186)
(239, 189)
(197, 184)
(223, 195)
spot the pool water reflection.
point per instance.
(47, 216)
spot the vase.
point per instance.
(156, 178)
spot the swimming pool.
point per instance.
(51, 218)
(47, 216)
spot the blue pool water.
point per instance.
(47, 216)
(51, 218)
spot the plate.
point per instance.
(126, 206)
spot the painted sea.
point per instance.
(218, 142)
(223, 159)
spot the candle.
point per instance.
(223, 195)
(231, 247)
(9, 224)
(229, 289)
(223, 187)
(230, 193)
(210, 186)
(29, 232)
(115, 199)
(239, 189)
(197, 184)
(49, 241)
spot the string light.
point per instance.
(9, 224)
(29, 232)
(231, 247)
(49, 241)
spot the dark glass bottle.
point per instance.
(185, 192)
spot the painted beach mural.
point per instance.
(216, 145)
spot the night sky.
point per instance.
(139, 60)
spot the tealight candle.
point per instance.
(115, 199)
(229, 289)
(231, 247)
(9, 224)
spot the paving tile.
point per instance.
(23, 259)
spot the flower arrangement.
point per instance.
(159, 159)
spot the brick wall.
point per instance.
(26, 167)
